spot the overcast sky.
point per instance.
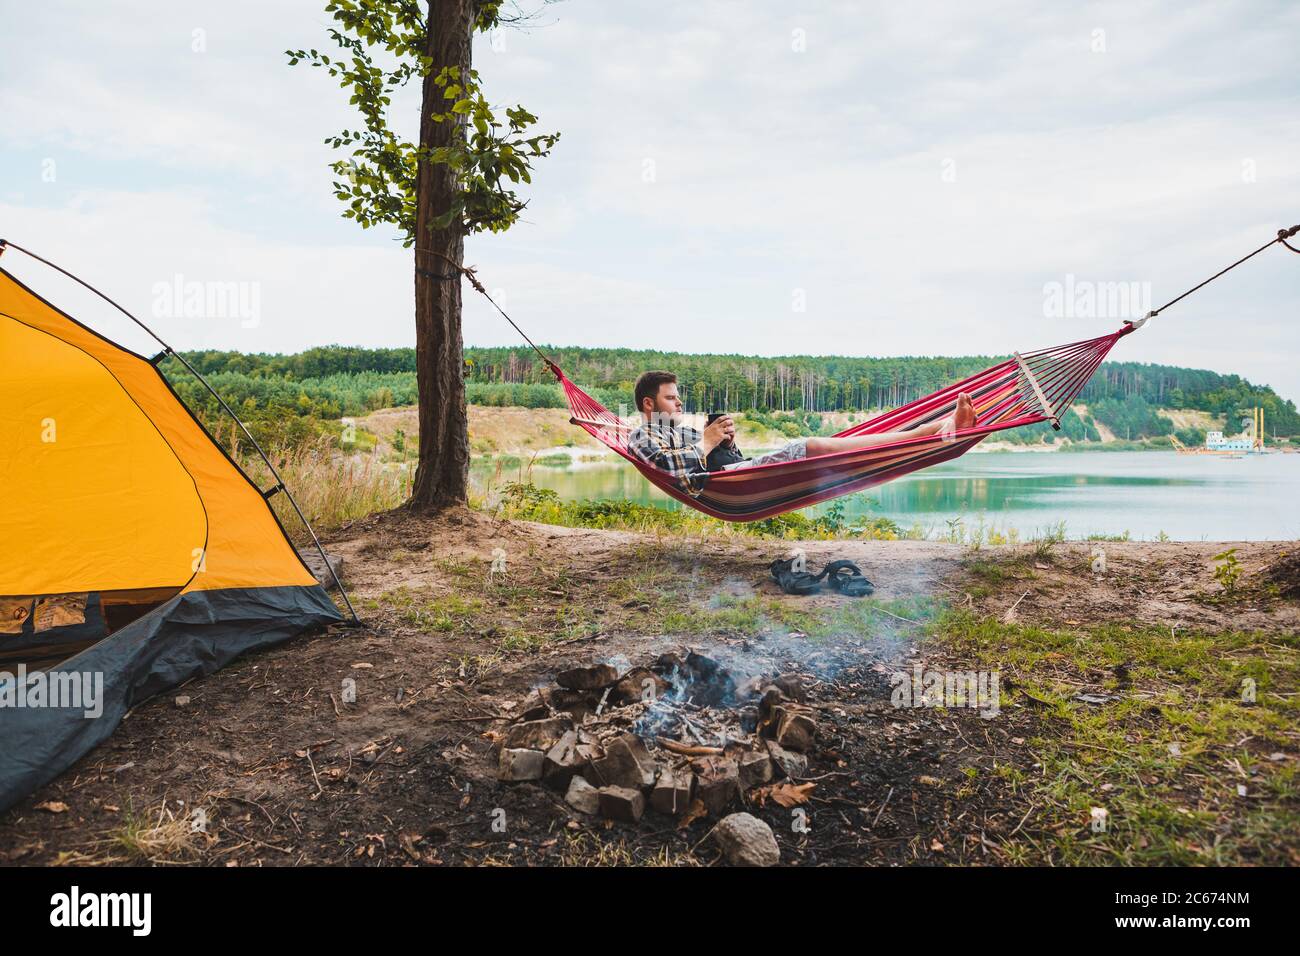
(770, 177)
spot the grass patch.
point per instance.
(747, 615)
(526, 502)
(515, 614)
(158, 838)
(422, 609)
(585, 849)
(1189, 719)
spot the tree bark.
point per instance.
(442, 468)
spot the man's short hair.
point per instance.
(647, 386)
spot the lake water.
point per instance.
(1186, 497)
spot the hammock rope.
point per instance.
(470, 273)
(1282, 236)
(1026, 389)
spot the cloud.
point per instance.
(913, 174)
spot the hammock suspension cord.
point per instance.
(1282, 236)
(469, 273)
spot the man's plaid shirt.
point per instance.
(672, 449)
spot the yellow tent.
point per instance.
(133, 550)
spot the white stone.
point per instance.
(521, 765)
(746, 841)
(582, 796)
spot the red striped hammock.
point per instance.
(1025, 389)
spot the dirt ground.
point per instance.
(495, 429)
(282, 768)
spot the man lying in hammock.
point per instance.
(665, 443)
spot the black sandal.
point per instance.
(847, 578)
(792, 581)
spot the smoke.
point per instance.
(731, 673)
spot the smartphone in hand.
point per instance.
(713, 417)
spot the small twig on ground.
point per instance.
(687, 750)
(245, 836)
(1010, 614)
(694, 729)
(898, 616)
(882, 808)
(1032, 808)
(703, 838)
(251, 803)
(315, 776)
(823, 776)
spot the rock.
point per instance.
(1094, 698)
(536, 734)
(795, 730)
(521, 765)
(567, 758)
(717, 782)
(182, 701)
(311, 557)
(621, 803)
(746, 841)
(578, 704)
(669, 664)
(583, 797)
(625, 764)
(788, 763)
(755, 770)
(535, 706)
(704, 667)
(791, 687)
(640, 683)
(712, 684)
(587, 678)
(770, 697)
(672, 792)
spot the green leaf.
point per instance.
(379, 184)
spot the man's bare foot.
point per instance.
(964, 417)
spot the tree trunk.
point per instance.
(442, 469)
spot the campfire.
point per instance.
(683, 736)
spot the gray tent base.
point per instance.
(191, 635)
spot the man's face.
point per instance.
(666, 407)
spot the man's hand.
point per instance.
(722, 429)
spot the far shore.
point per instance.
(512, 431)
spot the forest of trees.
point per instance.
(334, 381)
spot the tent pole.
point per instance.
(168, 350)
